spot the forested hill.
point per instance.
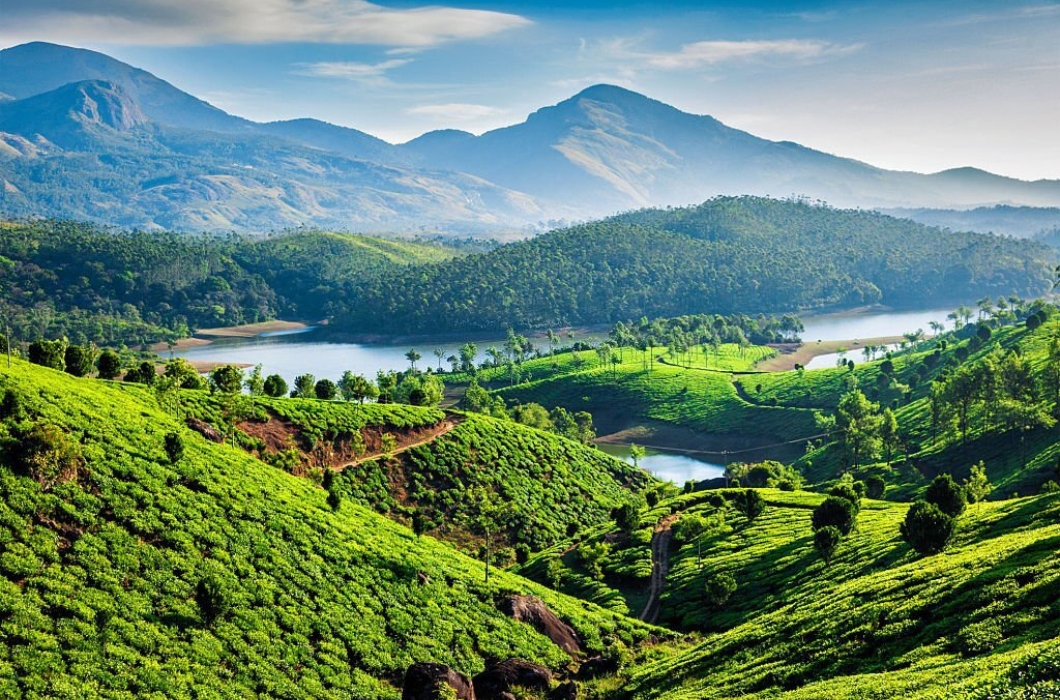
(728, 255)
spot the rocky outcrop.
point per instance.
(500, 679)
(205, 429)
(427, 681)
(597, 666)
(535, 613)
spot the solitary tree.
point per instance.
(227, 379)
(108, 364)
(325, 390)
(79, 360)
(825, 541)
(946, 494)
(835, 512)
(977, 486)
(174, 445)
(412, 356)
(926, 528)
(719, 587)
(750, 503)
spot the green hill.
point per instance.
(126, 573)
(728, 255)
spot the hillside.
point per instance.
(130, 572)
(728, 255)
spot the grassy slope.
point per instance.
(880, 622)
(99, 581)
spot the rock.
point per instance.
(205, 429)
(425, 681)
(534, 612)
(499, 679)
(597, 666)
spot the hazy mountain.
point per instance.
(89, 136)
(1022, 222)
(618, 149)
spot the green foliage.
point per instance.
(304, 386)
(875, 486)
(946, 494)
(977, 486)
(108, 364)
(750, 504)
(174, 444)
(47, 454)
(227, 379)
(79, 360)
(626, 517)
(49, 353)
(719, 587)
(926, 528)
(275, 386)
(825, 540)
(325, 390)
(836, 512)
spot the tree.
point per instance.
(356, 387)
(835, 512)
(825, 540)
(419, 389)
(227, 379)
(719, 587)
(412, 356)
(254, 383)
(846, 490)
(468, 351)
(487, 516)
(636, 452)
(532, 414)
(79, 360)
(49, 353)
(926, 528)
(750, 503)
(183, 374)
(304, 386)
(387, 382)
(875, 486)
(108, 364)
(860, 422)
(946, 494)
(889, 437)
(439, 353)
(143, 374)
(174, 445)
(977, 486)
(325, 390)
(275, 386)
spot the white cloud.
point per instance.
(349, 70)
(195, 22)
(457, 111)
(709, 53)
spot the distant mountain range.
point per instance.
(85, 136)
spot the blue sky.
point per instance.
(906, 85)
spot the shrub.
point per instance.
(79, 360)
(108, 364)
(275, 386)
(48, 454)
(926, 528)
(174, 444)
(325, 390)
(750, 503)
(825, 541)
(49, 353)
(626, 517)
(835, 512)
(979, 637)
(947, 494)
(719, 587)
(875, 487)
(846, 490)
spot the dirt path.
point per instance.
(660, 567)
(436, 432)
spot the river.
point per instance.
(290, 354)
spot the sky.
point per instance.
(921, 86)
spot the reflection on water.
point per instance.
(855, 353)
(850, 326)
(669, 466)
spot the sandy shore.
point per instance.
(251, 330)
(791, 354)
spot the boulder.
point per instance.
(425, 681)
(565, 691)
(495, 681)
(205, 429)
(531, 610)
(597, 666)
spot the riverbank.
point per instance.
(205, 336)
(791, 354)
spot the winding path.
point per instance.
(660, 567)
(436, 432)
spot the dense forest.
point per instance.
(728, 255)
(111, 287)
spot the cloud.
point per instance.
(349, 70)
(197, 22)
(457, 111)
(709, 53)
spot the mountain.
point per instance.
(618, 149)
(1021, 222)
(604, 150)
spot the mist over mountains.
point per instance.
(85, 136)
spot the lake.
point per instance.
(668, 466)
(290, 354)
